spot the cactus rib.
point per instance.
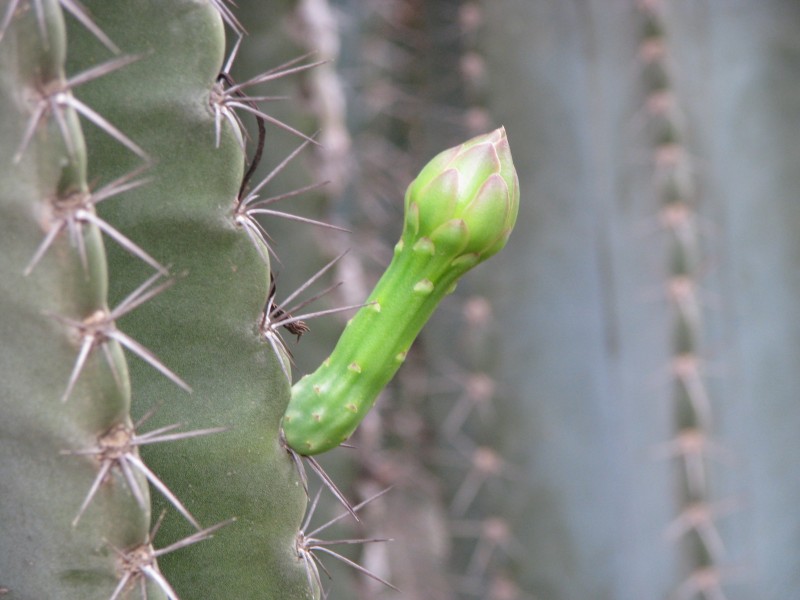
(46, 553)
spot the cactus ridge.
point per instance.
(70, 280)
(245, 472)
(695, 526)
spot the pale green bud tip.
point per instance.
(466, 198)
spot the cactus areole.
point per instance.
(459, 211)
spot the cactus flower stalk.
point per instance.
(459, 211)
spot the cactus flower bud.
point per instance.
(459, 211)
(465, 200)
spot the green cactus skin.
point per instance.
(205, 326)
(441, 241)
(42, 554)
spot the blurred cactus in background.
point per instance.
(647, 382)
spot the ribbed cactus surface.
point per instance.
(195, 329)
(48, 310)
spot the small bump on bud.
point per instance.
(424, 287)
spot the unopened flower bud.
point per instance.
(465, 200)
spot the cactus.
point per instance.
(695, 526)
(581, 396)
(405, 101)
(244, 472)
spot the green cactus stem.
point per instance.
(205, 326)
(459, 211)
